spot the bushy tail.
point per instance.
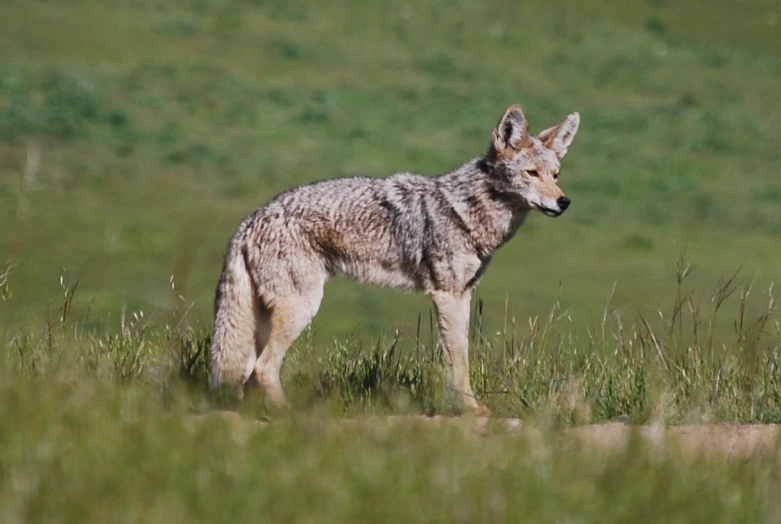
(232, 355)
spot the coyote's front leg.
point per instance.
(453, 320)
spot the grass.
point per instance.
(154, 154)
(295, 473)
(135, 136)
(709, 357)
(102, 426)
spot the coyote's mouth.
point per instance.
(549, 211)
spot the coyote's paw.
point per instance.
(480, 411)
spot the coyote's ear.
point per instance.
(512, 131)
(558, 138)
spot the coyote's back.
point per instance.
(431, 234)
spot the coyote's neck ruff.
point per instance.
(489, 216)
(431, 234)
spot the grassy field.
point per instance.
(165, 123)
(102, 427)
(134, 136)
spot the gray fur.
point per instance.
(411, 232)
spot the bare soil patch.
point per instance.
(706, 440)
(694, 440)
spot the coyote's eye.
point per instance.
(533, 172)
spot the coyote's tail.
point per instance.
(232, 356)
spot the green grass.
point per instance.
(135, 136)
(103, 426)
(708, 357)
(174, 470)
(168, 122)
(301, 473)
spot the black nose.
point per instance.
(563, 203)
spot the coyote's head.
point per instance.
(526, 168)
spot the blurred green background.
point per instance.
(134, 137)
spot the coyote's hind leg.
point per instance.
(289, 316)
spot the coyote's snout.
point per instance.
(430, 234)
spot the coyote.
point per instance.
(411, 232)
